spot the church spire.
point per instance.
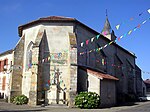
(107, 28)
(107, 31)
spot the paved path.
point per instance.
(137, 107)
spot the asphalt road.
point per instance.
(136, 107)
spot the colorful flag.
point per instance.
(117, 27)
(105, 33)
(119, 39)
(144, 22)
(97, 49)
(121, 36)
(49, 58)
(98, 36)
(105, 46)
(90, 51)
(92, 39)
(140, 14)
(110, 42)
(87, 42)
(135, 29)
(129, 32)
(103, 61)
(139, 26)
(82, 44)
(131, 19)
(125, 35)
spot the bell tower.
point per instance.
(107, 31)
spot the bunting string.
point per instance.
(86, 42)
(117, 39)
(131, 19)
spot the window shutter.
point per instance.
(6, 61)
(4, 83)
(2, 65)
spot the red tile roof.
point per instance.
(57, 18)
(46, 19)
(101, 75)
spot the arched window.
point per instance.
(29, 56)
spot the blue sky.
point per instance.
(91, 12)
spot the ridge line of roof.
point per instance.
(66, 19)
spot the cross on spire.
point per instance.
(106, 13)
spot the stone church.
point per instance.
(51, 64)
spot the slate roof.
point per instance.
(6, 52)
(107, 26)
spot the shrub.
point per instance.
(21, 99)
(87, 100)
(12, 99)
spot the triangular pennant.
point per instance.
(92, 39)
(82, 44)
(90, 51)
(121, 36)
(144, 22)
(49, 58)
(140, 13)
(110, 42)
(97, 36)
(119, 39)
(117, 27)
(97, 49)
(125, 35)
(87, 42)
(139, 26)
(105, 33)
(131, 19)
(135, 29)
(102, 61)
(148, 10)
(129, 32)
(105, 46)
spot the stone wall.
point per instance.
(73, 69)
(108, 93)
(16, 78)
(126, 59)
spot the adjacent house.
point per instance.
(6, 60)
(58, 57)
(147, 84)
